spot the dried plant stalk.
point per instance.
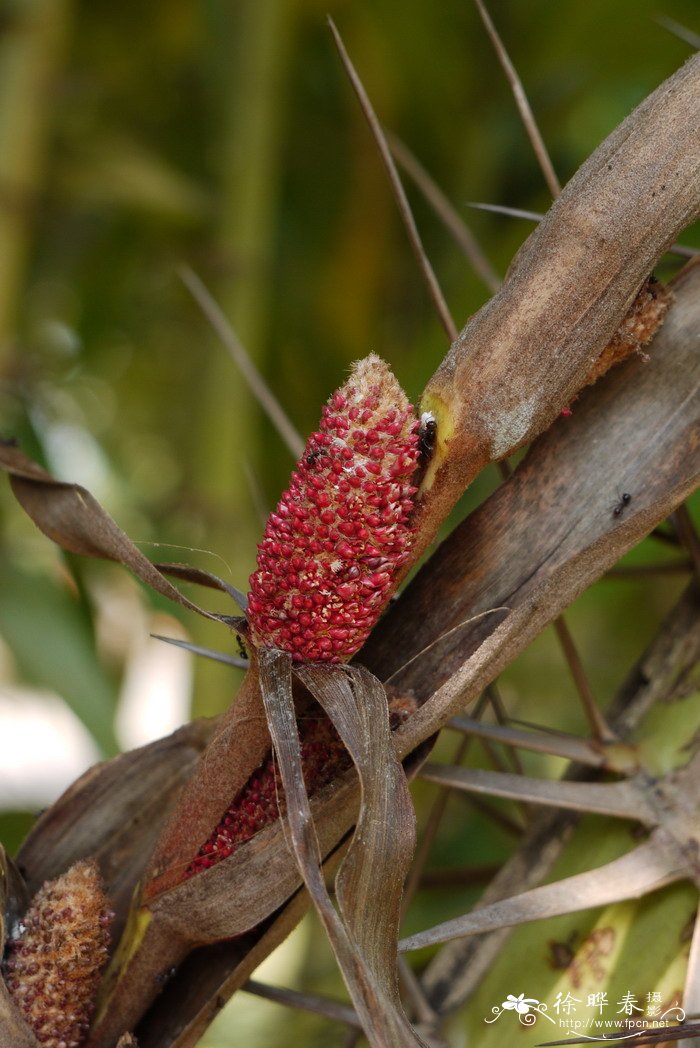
(528, 352)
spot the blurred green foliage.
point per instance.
(135, 139)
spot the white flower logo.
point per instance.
(520, 1004)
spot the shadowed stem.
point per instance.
(522, 103)
(688, 536)
(453, 222)
(599, 726)
(398, 190)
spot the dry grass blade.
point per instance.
(619, 799)
(522, 103)
(204, 578)
(70, 516)
(660, 676)
(399, 194)
(537, 216)
(372, 876)
(681, 31)
(568, 747)
(308, 1002)
(640, 871)
(451, 219)
(359, 953)
(511, 212)
(207, 653)
(262, 392)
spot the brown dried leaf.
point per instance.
(643, 870)
(192, 999)
(638, 430)
(14, 896)
(371, 879)
(526, 354)
(568, 747)
(620, 799)
(362, 959)
(114, 813)
(70, 516)
(237, 748)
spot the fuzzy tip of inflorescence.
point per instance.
(342, 531)
(56, 955)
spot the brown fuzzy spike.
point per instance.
(642, 320)
(55, 959)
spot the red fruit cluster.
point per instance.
(261, 800)
(55, 959)
(332, 549)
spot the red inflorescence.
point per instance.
(261, 800)
(332, 549)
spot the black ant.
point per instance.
(314, 456)
(625, 499)
(427, 437)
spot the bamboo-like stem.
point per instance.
(31, 45)
(249, 47)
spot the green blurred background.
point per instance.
(136, 139)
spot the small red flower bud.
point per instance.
(350, 500)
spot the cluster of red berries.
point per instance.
(332, 549)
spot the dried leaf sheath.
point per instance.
(342, 531)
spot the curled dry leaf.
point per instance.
(366, 955)
(68, 514)
(14, 896)
(114, 812)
